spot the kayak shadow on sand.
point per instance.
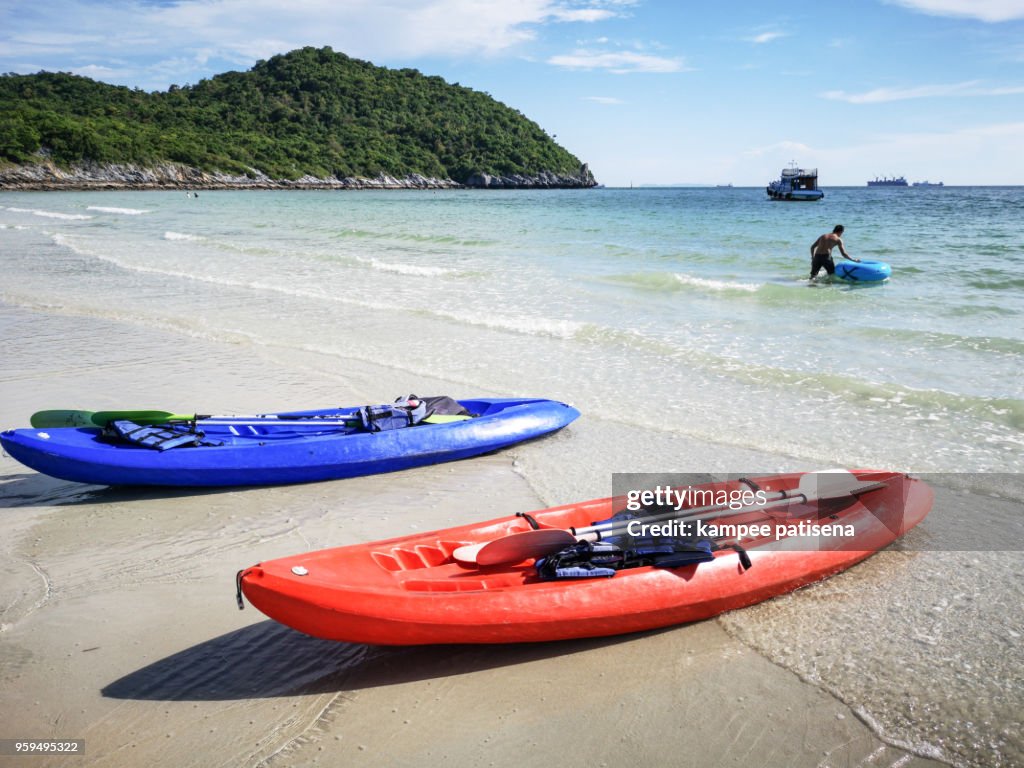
(268, 660)
(33, 489)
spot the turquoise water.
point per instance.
(684, 312)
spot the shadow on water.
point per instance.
(268, 660)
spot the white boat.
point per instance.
(798, 184)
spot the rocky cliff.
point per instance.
(45, 174)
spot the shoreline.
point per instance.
(173, 662)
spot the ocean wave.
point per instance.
(977, 309)
(678, 281)
(984, 344)
(278, 288)
(915, 404)
(122, 211)
(414, 237)
(716, 285)
(906, 402)
(51, 214)
(181, 236)
(65, 242)
(998, 284)
(406, 269)
(530, 326)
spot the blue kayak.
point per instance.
(273, 449)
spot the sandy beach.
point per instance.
(119, 623)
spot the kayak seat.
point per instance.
(414, 558)
(444, 418)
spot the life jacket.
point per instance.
(410, 410)
(437, 407)
(160, 438)
(611, 554)
(380, 418)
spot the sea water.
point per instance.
(685, 313)
(681, 323)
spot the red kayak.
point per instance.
(480, 583)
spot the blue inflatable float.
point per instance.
(865, 271)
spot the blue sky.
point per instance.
(645, 91)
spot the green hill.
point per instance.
(309, 113)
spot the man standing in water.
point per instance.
(821, 252)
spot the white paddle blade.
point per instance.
(467, 554)
(523, 546)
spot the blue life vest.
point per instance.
(160, 438)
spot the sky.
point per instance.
(644, 91)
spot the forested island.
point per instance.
(311, 118)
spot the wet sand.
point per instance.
(119, 623)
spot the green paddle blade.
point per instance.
(50, 419)
(67, 418)
(102, 418)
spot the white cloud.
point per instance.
(621, 62)
(410, 28)
(765, 37)
(88, 34)
(991, 11)
(583, 14)
(783, 147)
(882, 95)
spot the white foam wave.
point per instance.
(531, 326)
(123, 211)
(407, 269)
(301, 293)
(65, 242)
(714, 285)
(51, 214)
(181, 236)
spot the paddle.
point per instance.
(63, 418)
(68, 418)
(516, 547)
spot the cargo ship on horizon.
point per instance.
(895, 181)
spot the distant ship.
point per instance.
(796, 184)
(928, 184)
(896, 181)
